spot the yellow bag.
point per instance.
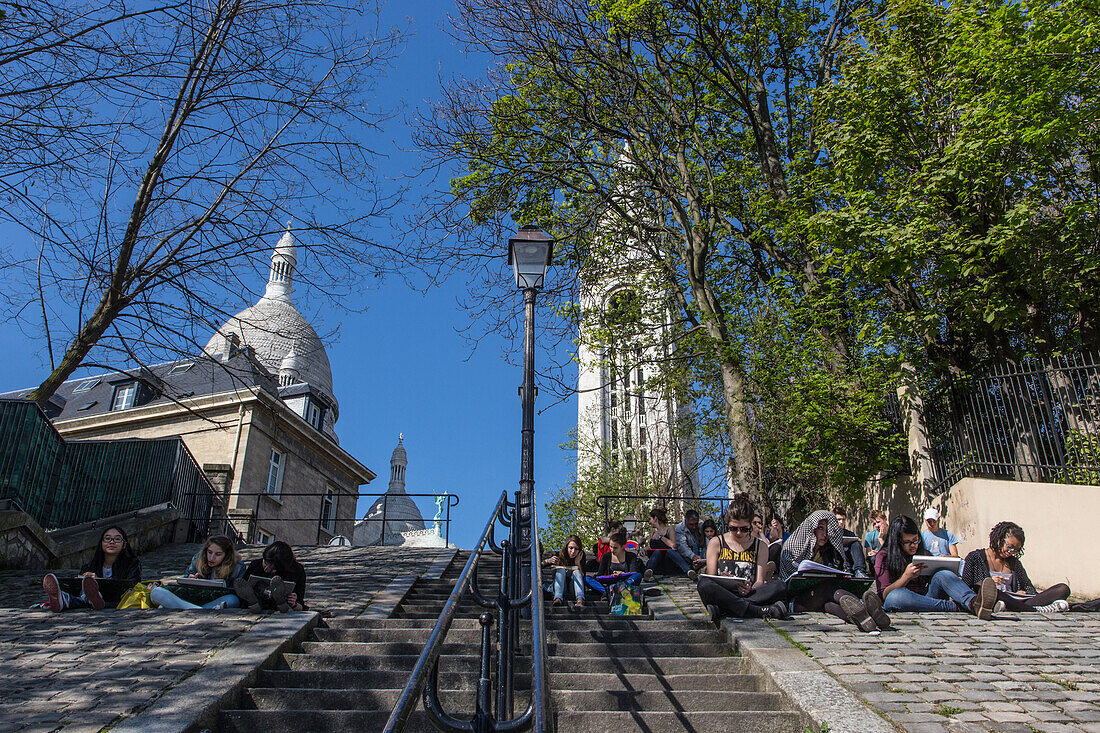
(138, 596)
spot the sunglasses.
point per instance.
(740, 530)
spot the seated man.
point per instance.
(937, 539)
(853, 547)
(872, 541)
(690, 542)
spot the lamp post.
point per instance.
(529, 254)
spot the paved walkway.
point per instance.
(85, 670)
(934, 673)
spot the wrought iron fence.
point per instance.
(1036, 421)
(253, 515)
(64, 483)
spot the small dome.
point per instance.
(399, 454)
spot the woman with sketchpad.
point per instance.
(113, 569)
(276, 580)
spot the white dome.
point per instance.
(273, 328)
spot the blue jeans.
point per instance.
(944, 592)
(563, 574)
(167, 599)
(655, 557)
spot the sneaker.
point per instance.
(777, 610)
(873, 604)
(714, 613)
(90, 589)
(651, 592)
(245, 589)
(53, 592)
(1056, 607)
(998, 606)
(982, 603)
(647, 576)
(280, 589)
(692, 576)
(857, 613)
(860, 574)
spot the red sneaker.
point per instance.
(53, 592)
(91, 592)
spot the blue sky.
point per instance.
(401, 366)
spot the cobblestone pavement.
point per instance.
(82, 670)
(941, 672)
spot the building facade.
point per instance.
(256, 409)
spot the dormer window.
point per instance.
(86, 385)
(125, 395)
(314, 413)
(180, 368)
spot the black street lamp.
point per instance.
(529, 254)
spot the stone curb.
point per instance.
(383, 603)
(807, 686)
(223, 678)
(440, 564)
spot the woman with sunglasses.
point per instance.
(903, 588)
(114, 561)
(734, 584)
(1001, 562)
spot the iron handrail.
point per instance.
(427, 662)
(539, 701)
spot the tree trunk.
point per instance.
(89, 336)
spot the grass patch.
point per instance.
(947, 710)
(823, 729)
(1064, 684)
(797, 645)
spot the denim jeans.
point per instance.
(167, 599)
(655, 557)
(944, 592)
(563, 574)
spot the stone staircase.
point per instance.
(605, 673)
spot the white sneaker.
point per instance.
(1056, 607)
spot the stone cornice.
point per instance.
(135, 417)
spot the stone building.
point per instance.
(256, 409)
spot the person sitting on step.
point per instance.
(568, 563)
(114, 562)
(662, 545)
(690, 543)
(903, 588)
(611, 526)
(217, 560)
(274, 580)
(938, 539)
(1001, 561)
(710, 531)
(853, 546)
(618, 562)
(775, 532)
(872, 541)
(819, 539)
(734, 584)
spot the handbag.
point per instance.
(626, 599)
(138, 596)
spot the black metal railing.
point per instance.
(328, 521)
(1036, 421)
(508, 605)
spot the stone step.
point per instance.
(572, 623)
(295, 698)
(382, 679)
(332, 679)
(317, 721)
(576, 649)
(571, 636)
(564, 665)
